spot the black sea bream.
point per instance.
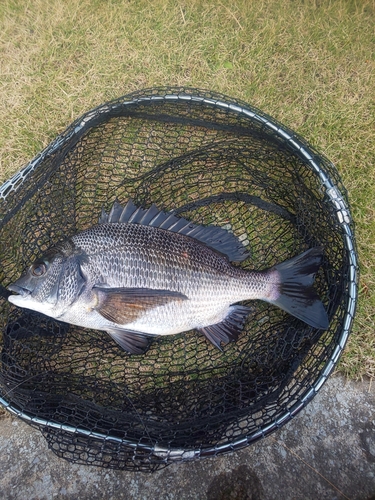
(140, 273)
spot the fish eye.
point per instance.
(38, 269)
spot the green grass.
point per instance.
(310, 64)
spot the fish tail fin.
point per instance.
(296, 294)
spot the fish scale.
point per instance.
(144, 272)
(171, 257)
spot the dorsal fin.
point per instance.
(215, 237)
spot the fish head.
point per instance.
(50, 284)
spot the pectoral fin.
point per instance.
(125, 305)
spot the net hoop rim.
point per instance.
(296, 144)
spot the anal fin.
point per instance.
(229, 329)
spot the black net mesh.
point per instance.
(214, 161)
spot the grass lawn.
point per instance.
(309, 64)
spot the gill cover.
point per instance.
(65, 260)
(55, 279)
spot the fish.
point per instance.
(142, 272)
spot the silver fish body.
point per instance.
(140, 273)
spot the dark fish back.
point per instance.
(142, 256)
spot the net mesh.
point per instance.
(213, 160)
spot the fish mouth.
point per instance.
(24, 292)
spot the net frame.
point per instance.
(334, 192)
